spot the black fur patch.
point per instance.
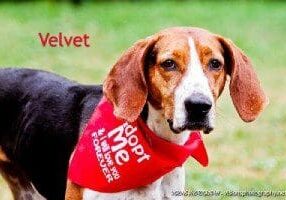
(40, 119)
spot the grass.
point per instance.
(242, 156)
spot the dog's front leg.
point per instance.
(172, 183)
(152, 191)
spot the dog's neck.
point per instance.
(159, 125)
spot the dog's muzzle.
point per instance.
(197, 108)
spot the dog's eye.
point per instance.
(215, 64)
(169, 65)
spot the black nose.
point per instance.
(198, 105)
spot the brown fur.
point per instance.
(247, 95)
(3, 156)
(125, 85)
(73, 191)
(207, 50)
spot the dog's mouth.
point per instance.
(192, 126)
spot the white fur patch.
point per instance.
(194, 81)
(161, 189)
(159, 125)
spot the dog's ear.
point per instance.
(247, 95)
(125, 85)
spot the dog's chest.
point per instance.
(161, 189)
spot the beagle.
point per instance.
(179, 73)
(171, 80)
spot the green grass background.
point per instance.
(242, 156)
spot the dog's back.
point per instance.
(41, 115)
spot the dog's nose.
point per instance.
(198, 105)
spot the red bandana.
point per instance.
(114, 155)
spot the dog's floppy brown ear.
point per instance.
(125, 85)
(247, 95)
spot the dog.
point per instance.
(171, 80)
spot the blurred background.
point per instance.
(242, 156)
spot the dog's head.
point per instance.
(182, 71)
